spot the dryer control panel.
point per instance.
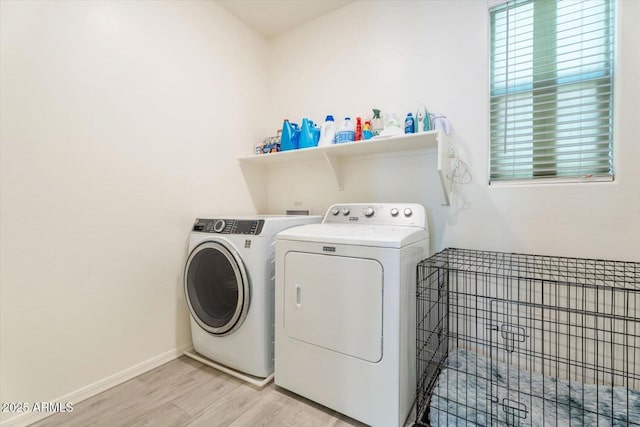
(398, 214)
(229, 226)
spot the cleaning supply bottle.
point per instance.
(366, 131)
(316, 135)
(358, 128)
(307, 138)
(409, 124)
(347, 131)
(327, 131)
(290, 136)
(377, 124)
(422, 119)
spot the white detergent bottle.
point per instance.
(327, 132)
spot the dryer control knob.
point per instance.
(408, 212)
(218, 226)
(345, 211)
(368, 212)
(394, 212)
(335, 211)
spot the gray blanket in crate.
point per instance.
(472, 391)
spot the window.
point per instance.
(552, 90)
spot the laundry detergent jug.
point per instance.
(309, 134)
(290, 136)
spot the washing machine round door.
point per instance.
(217, 288)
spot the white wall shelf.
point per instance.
(332, 155)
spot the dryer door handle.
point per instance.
(298, 287)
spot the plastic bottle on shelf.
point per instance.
(409, 124)
(316, 134)
(347, 132)
(358, 128)
(366, 131)
(327, 131)
(307, 134)
(290, 136)
(377, 123)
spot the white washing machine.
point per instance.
(229, 287)
(345, 309)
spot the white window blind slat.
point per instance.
(591, 55)
(567, 114)
(551, 89)
(525, 154)
(601, 138)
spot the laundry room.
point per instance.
(125, 126)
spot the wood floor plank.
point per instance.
(344, 421)
(161, 392)
(167, 373)
(306, 413)
(270, 410)
(213, 386)
(228, 408)
(164, 415)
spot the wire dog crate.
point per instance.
(525, 340)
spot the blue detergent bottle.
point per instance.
(290, 136)
(309, 135)
(409, 124)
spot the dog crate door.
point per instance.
(511, 325)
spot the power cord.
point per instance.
(460, 173)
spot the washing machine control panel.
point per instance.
(399, 214)
(229, 226)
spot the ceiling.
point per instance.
(272, 17)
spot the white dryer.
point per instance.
(345, 309)
(229, 288)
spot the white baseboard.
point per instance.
(91, 390)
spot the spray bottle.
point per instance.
(358, 128)
(377, 124)
(366, 130)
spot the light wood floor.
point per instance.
(186, 392)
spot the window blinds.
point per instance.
(552, 89)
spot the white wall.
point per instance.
(120, 123)
(396, 55)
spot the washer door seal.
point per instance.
(217, 288)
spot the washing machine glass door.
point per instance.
(217, 288)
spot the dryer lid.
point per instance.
(361, 235)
